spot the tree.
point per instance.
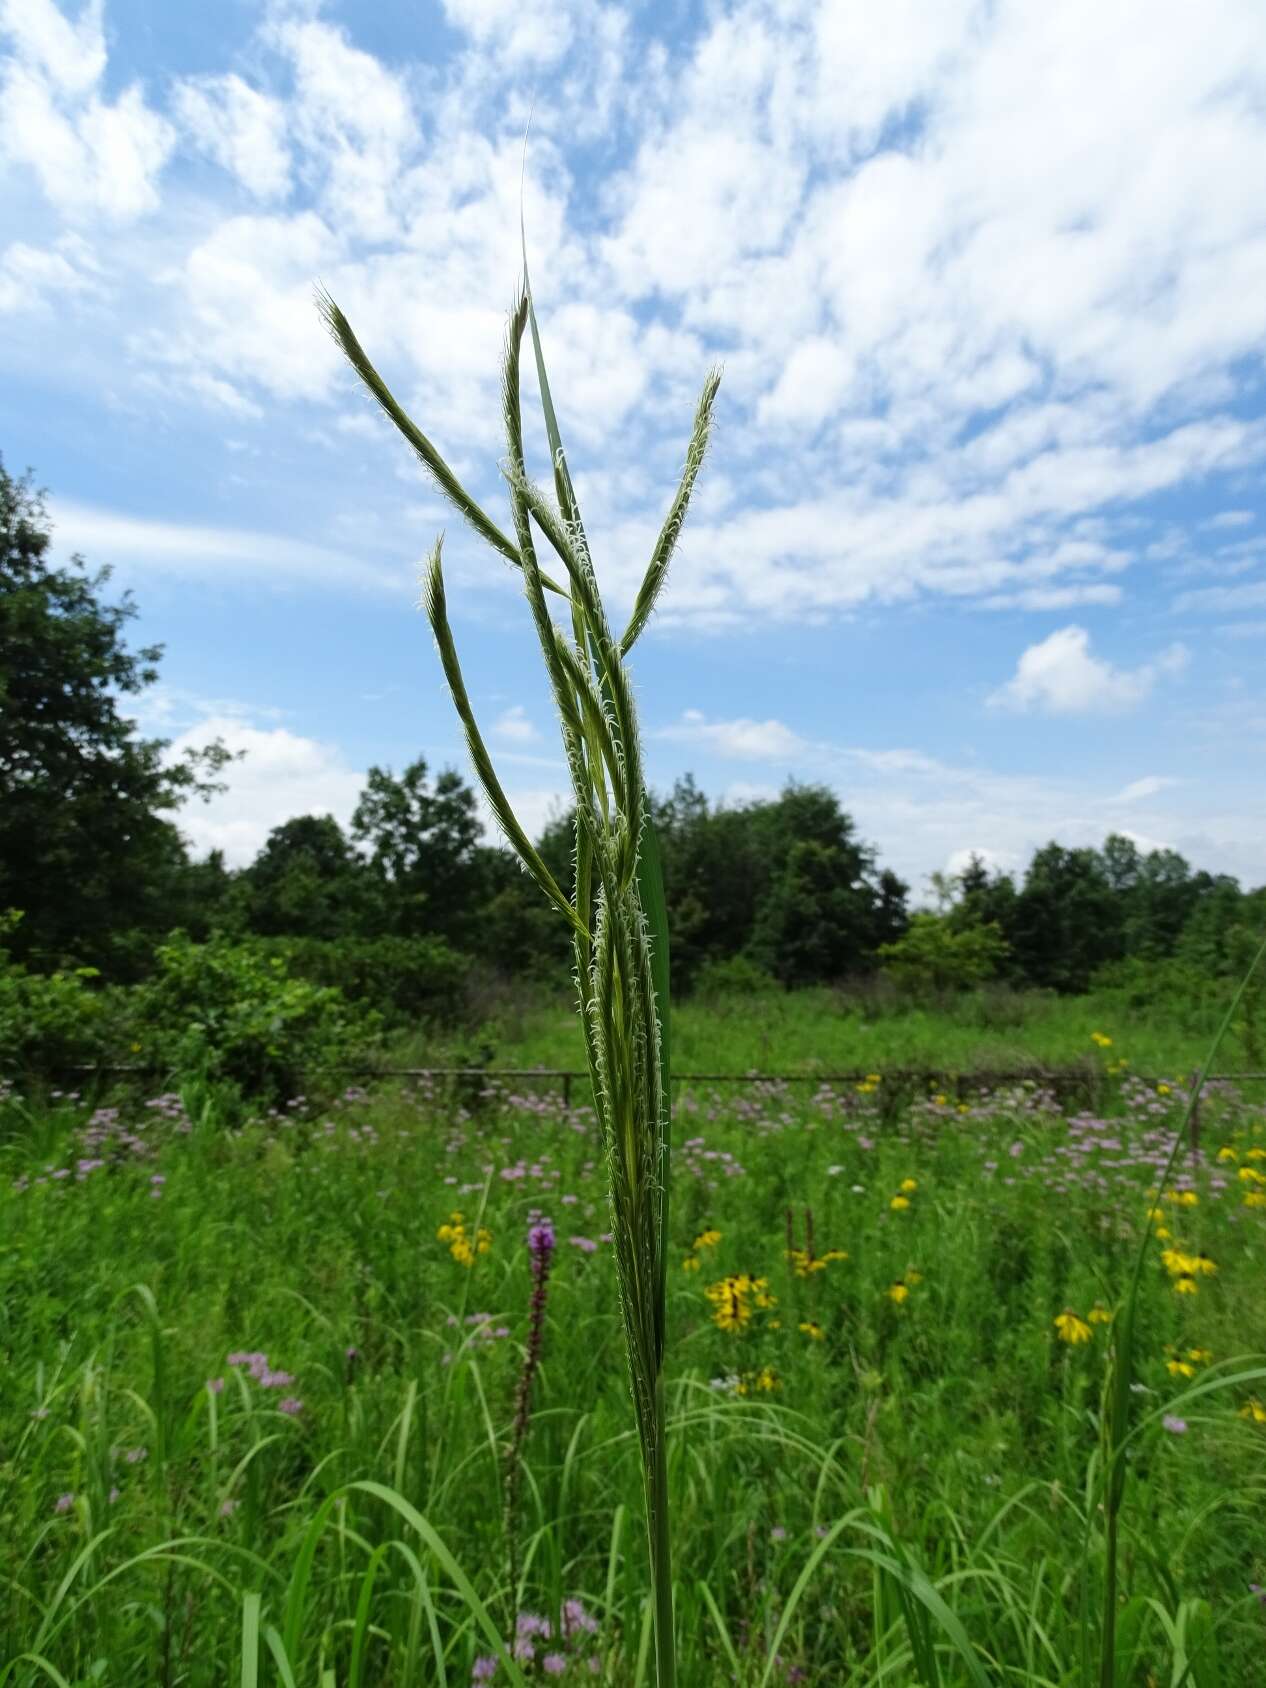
(935, 956)
(1067, 920)
(307, 882)
(88, 852)
(424, 849)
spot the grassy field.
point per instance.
(259, 1390)
(828, 1031)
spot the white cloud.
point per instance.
(1250, 596)
(91, 156)
(132, 543)
(1052, 598)
(1232, 519)
(1149, 786)
(760, 741)
(32, 277)
(513, 724)
(1059, 676)
(281, 774)
(240, 128)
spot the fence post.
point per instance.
(567, 1092)
(1195, 1122)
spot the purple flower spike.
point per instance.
(541, 1238)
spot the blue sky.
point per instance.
(980, 540)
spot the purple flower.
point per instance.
(553, 1664)
(134, 1456)
(63, 1503)
(1175, 1426)
(576, 1618)
(541, 1238)
(290, 1406)
(529, 1623)
(229, 1507)
(215, 1386)
(778, 1533)
(485, 1668)
(114, 1495)
(586, 1245)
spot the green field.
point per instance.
(256, 1412)
(827, 1031)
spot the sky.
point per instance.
(980, 542)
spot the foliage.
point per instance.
(87, 850)
(306, 1246)
(424, 854)
(51, 1023)
(403, 980)
(230, 1010)
(935, 956)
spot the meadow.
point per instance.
(266, 1382)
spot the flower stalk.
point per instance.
(616, 910)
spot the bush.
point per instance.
(51, 1023)
(229, 1010)
(402, 979)
(933, 957)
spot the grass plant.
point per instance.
(617, 913)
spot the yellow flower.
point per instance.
(898, 1204)
(1185, 1284)
(964, 1107)
(1071, 1329)
(1162, 1233)
(812, 1330)
(1099, 1315)
(1102, 1041)
(1163, 1090)
(136, 1049)
(1255, 1198)
(898, 1292)
(691, 1263)
(940, 1099)
(1250, 1175)
(1253, 1411)
(1180, 1368)
(913, 1277)
(1200, 1356)
(835, 1254)
(1205, 1266)
(707, 1239)
(872, 1078)
(1255, 1154)
(1227, 1153)
(911, 1184)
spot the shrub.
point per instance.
(229, 1010)
(734, 975)
(51, 1023)
(402, 979)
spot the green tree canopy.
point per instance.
(88, 851)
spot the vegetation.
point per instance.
(266, 1429)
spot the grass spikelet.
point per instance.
(617, 912)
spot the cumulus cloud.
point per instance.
(1060, 676)
(512, 724)
(280, 774)
(759, 741)
(243, 130)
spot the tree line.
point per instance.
(92, 856)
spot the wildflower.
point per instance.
(228, 1507)
(1255, 1154)
(215, 1386)
(575, 1618)
(1255, 1198)
(1253, 1411)
(1176, 1426)
(1163, 1090)
(1227, 1153)
(909, 1185)
(1100, 1039)
(1071, 1329)
(707, 1239)
(940, 1099)
(586, 1245)
(913, 1277)
(290, 1406)
(554, 1664)
(63, 1503)
(778, 1533)
(1185, 1284)
(1250, 1175)
(812, 1330)
(1180, 1368)
(766, 1380)
(898, 1204)
(485, 1668)
(691, 1263)
(898, 1293)
(1099, 1315)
